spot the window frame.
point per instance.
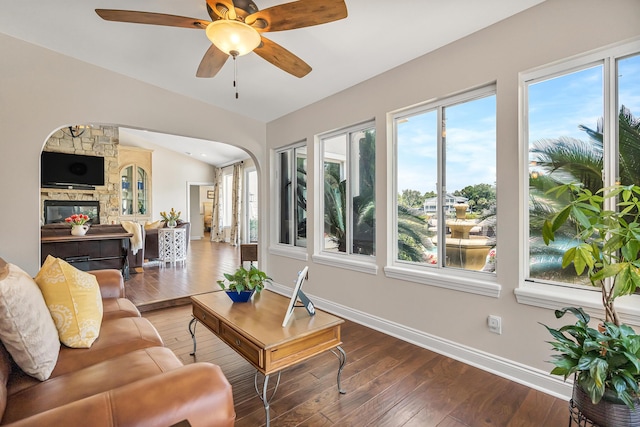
(480, 283)
(290, 250)
(357, 262)
(548, 295)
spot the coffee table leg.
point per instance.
(263, 396)
(342, 358)
(192, 330)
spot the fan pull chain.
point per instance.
(235, 75)
(234, 54)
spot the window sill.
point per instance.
(457, 282)
(555, 297)
(346, 262)
(289, 252)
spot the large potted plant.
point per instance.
(241, 285)
(604, 360)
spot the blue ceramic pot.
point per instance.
(243, 296)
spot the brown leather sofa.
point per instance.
(126, 378)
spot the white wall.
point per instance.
(171, 172)
(451, 321)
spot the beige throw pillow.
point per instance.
(26, 328)
(74, 300)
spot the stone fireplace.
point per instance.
(97, 141)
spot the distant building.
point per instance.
(430, 206)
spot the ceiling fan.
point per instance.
(237, 27)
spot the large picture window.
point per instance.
(582, 127)
(291, 179)
(445, 183)
(348, 187)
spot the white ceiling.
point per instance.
(375, 37)
(215, 153)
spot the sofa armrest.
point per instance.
(111, 282)
(198, 393)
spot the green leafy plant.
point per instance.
(245, 280)
(607, 250)
(606, 359)
(608, 239)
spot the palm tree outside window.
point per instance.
(584, 128)
(348, 165)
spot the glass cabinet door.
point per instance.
(127, 191)
(142, 188)
(134, 191)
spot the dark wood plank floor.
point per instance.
(389, 382)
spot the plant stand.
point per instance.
(577, 417)
(603, 414)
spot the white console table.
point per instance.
(172, 245)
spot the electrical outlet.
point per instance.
(495, 324)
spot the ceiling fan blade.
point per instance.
(151, 18)
(282, 58)
(212, 62)
(297, 14)
(223, 8)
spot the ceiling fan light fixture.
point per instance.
(233, 36)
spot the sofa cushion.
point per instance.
(26, 327)
(118, 337)
(198, 392)
(74, 300)
(115, 308)
(89, 381)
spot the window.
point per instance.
(291, 179)
(445, 184)
(348, 189)
(583, 126)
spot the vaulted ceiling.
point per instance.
(375, 37)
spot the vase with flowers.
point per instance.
(78, 223)
(171, 218)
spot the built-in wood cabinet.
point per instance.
(135, 184)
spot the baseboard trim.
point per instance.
(514, 371)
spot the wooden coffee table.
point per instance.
(254, 330)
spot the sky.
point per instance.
(470, 147)
(556, 108)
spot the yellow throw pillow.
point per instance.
(74, 301)
(153, 225)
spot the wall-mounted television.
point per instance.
(64, 170)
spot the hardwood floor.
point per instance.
(389, 382)
(158, 287)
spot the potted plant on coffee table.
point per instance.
(605, 360)
(241, 285)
